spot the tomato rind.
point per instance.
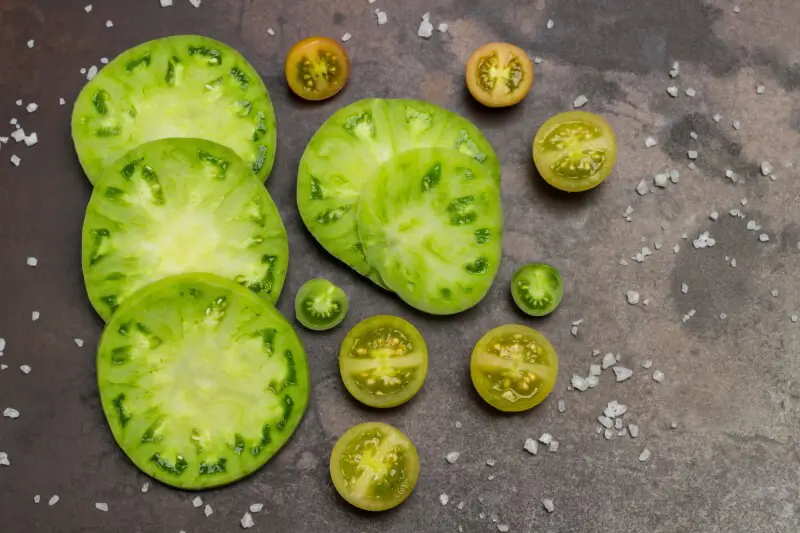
(491, 90)
(397, 441)
(602, 144)
(306, 88)
(415, 359)
(489, 356)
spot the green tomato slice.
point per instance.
(383, 361)
(201, 381)
(320, 305)
(431, 224)
(180, 205)
(537, 289)
(180, 86)
(513, 368)
(348, 148)
(374, 466)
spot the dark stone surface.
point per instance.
(732, 386)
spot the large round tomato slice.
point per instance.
(499, 74)
(514, 368)
(383, 361)
(575, 151)
(374, 466)
(317, 68)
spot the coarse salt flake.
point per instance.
(247, 521)
(101, 507)
(425, 27)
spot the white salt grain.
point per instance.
(256, 507)
(550, 24)
(632, 297)
(548, 505)
(10, 412)
(78, 342)
(609, 360)
(197, 501)
(672, 91)
(580, 101)
(247, 521)
(35, 316)
(649, 142)
(25, 369)
(452, 457)
(109, 24)
(690, 92)
(531, 446)
(166, 3)
(208, 511)
(91, 73)
(425, 27)
(346, 37)
(444, 499)
(645, 455)
(88, 8)
(692, 154)
(633, 429)
(546, 438)
(195, 3)
(146, 487)
(579, 383)
(443, 27)
(763, 237)
(53, 500)
(766, 168)
(270, 31)
(101, 507)
(32, 261)
(562, 406)
(382, 17)
(622, 373)
(32, 107)
(37, 499)
(658, 376)
(15, 160)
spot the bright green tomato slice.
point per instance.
(201, 381)
(374, 466)
(575, 151)
(431, 224)
(320, 305)
(537, 289)
(180, 205)
(383, 361)
(346, 151)
(513, 368)
(180, 86)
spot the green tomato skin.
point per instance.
(178, 86)
(327, 297)
(200, 380)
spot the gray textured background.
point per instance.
(731, 465)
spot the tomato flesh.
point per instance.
(575, 151)
(499, 74)
(320, 305)
(317, 68)
(383, 361)
(513, 368)
(374, 466)
(537, 289)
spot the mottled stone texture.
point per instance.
(732, 386)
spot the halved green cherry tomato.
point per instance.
(201, 381)
(383, 361)
(513, 368)
(317, 68)
(537, 289)
(575, 151)
(178, 86)
(499, 74)
(374, 466)
(320, 305)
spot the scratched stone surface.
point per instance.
(731, 386)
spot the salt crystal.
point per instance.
(578, 383)
(690, 92)
(632, 297)
(53, 500)
(208, 511)
(247, 521)
(548, 505)
(531, 446)
(642, 188)
(256, 507)
(622, 373)
(444, 499)
(704, 240)
(692, 154)
(452, 457)
(346, 37)
(382, 17)
(658, 376)
(78, 342)
(661, 180)
(32, 261)
(197, 501)
(645, 455)
(25, 369)
(766, 168)
(672, 91)
(763, 237)
(550, 24)
(425, 27)
(580, 101)
(101, 507)
(649, 142)
(443, 27)
(609, 360)
(633, 429)
(546, 438)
